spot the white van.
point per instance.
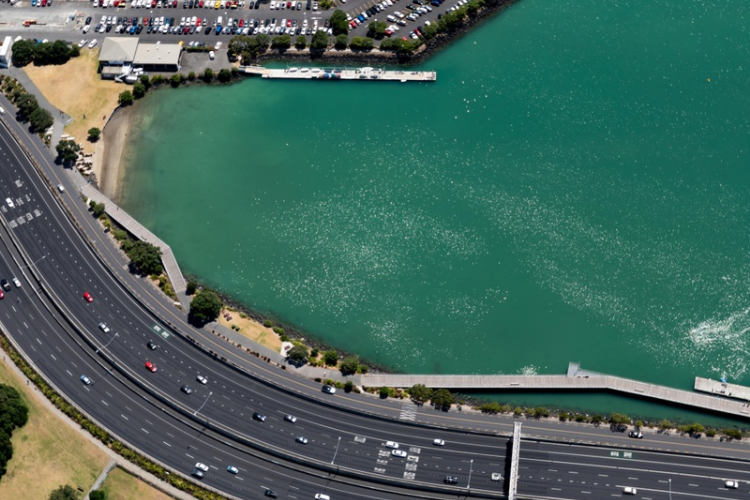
(211, 55)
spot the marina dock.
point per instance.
(724, 389)
(361, 74)
(578, 379)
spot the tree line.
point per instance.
(13, 414)
(29, 109)
(43, 53)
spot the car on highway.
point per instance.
(438, 442)
(203, 380)
(322, 496)
(329, 389)
(16, 282)
(198, 473)
(10, 203)
(636, 434)
(301, 439)
(398, 453)
(85, 380)
(450, 480)
(232, 469)
(291, 418)
(60, 187)
(186, 389)
(270, 494)
(201, 466)
(103, 327)
(5, 285)
(150, 366)
(151, 345)
(732, 485)
(259, 417)
(391, 444)
(2, 295)
(88, 297)
(629, 490)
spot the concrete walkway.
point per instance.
(100, 480)
(139, 231)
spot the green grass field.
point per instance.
(120, 485)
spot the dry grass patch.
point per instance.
(120, 485)
(47, 453)
(251, 329)
(76, 88)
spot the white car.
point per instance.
(203, 380)
(732, 485)
(82, 43)
(16, 282)
(398, 453)
(10, 203)
(301, 439)
(93, 43)
(201, 466)
(392, 445)
(629, 490)
(322, 496)
(86, 29)
(438, 442)
(291, 418)
(217, 46)
(103, 327)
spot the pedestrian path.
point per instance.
(100, 480)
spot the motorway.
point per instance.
(58, 331)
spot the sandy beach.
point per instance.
(109, 153)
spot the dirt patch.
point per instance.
(47, 445)
(76, 88)
(120, 485)
(251, 329)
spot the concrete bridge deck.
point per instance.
(575, 380)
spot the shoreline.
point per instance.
(115, 136)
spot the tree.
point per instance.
(342, 41)
(139, 90)
(298, 354)
(98, 209)
(349, 365)
(542, 412)
(64, 493)
(145, 81)
(40, 119)
(359, 43)
(191, 287)
(420, 393)
(330, 358)
(23, 52)
(208, 75)
(94, 134)
(125, 98)
(176, 80)
(301, 43)
(146, 257)
(319, 41)
(27, 104)
(263, 42)
(384, 392)
(98, 495)
(205, 307)
(225, 75)
(348, 386)
(665, 425)
(326, 4)
(191, 76)
(67, 151)
(376, 29)
(442, 399)
(338, 22)
(619, 418)
(282, 42)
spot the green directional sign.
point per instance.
(160, 331)
(621, 454)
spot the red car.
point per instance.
(289, 23)
(242, 23)
(150, 366)
(2, 295)
(88, 297)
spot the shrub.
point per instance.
(330, 358)
(139, 90)
(208, 75)
(191, 287)
(314, 353)
(176, 80)
(300, 43)
(191, 76)
(350, 365)
(98, 209)
(225, 75)
(348, 386)
(125, 98)
(564, 417)
(94, 134)
(279, 330)
(342, 41)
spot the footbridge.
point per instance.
(576, 379)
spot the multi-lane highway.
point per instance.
(58, 329)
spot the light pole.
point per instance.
(670, 488)
(35, 262)
(110, 341)
(204, 403)
(337, 450)
(471, 468)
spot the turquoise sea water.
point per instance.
(574, 187)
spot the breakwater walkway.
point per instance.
(576, 379)
(361, 74)
(139, 231)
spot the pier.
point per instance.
(578, 379)
(360, 74)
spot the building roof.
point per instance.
(5, 46)
(158, 54)
(118, 49)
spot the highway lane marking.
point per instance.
(69, 373)
(105, 403)
(144, 430)
(191, 456)
(167, 444)
(149, 423)
(53, 357)
(37, 340)
(123, 416)
(691, 484)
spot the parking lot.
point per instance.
(211, 21)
